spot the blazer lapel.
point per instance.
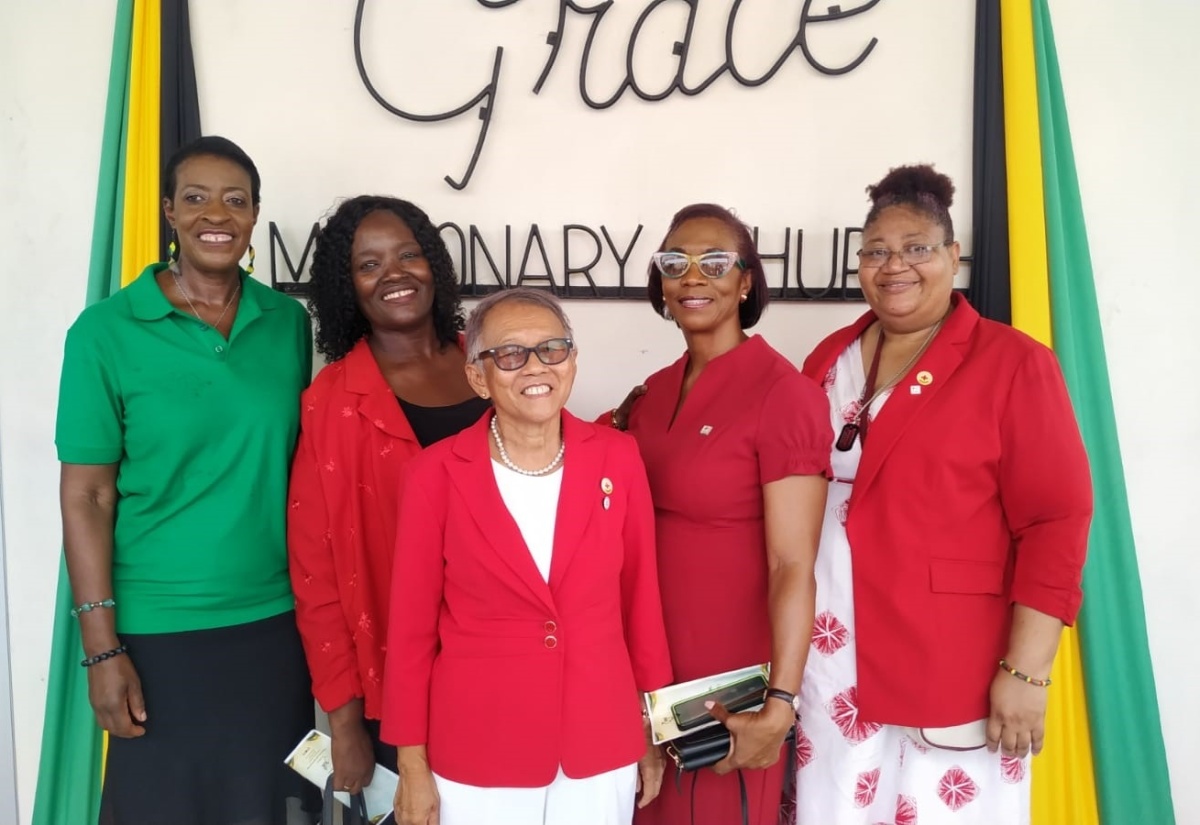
(473, 477)
(941, 360)
(579, 495)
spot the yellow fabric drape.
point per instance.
(1022, 140)
(139, 237)
(139, 242)
(1064, 782)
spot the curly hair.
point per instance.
(919, 187)
(750, 311)
(340, 323)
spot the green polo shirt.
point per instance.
(203, 431)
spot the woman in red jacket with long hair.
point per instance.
(386, 304)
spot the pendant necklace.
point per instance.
(857, 428)
(196, 312)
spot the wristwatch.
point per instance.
(778, 693)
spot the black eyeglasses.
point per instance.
(514, 356)
(712, 265)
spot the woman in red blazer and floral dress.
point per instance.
(385, 299)
(525, 618)
(953, 543)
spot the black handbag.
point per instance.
(356, 814)
(706, 747)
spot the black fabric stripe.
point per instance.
(179, 118)
(989, 291)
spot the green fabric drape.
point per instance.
(1132, 783)
(69, 771)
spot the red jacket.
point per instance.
(502, 676)
(354, 444)
(971, 495)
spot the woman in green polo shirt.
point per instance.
(177, 419)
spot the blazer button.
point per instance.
(551, 627)
(551, 642)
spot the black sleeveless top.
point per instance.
(431, 424)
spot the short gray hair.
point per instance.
(522, 295)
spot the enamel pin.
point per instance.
(924, 378)
(606, 486)
(706, 429)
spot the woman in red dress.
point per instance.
(736, 447)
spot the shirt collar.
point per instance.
(148, 303)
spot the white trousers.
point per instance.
(604, 799)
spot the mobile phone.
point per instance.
(739, 696)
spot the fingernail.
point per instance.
(709, 705)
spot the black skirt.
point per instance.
(224, 707)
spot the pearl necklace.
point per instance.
(507, 462)
(196, 312)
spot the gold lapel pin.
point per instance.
(924, 378)
(606, 486)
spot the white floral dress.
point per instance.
(852, 771)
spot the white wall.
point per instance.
(794, 152)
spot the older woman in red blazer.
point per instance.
(953, 543)
(525, 615)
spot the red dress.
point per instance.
(750, 419)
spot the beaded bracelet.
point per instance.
(100, 657)
(88, 607)
(1029, 680)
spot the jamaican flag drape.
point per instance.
(152, 109)
(1104, 760)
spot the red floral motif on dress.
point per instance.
(956, 788)
(295, 505)
(386, 451)
(842, 512)
(850, 410)
(843, 710)
(330, 467)
(1012, 769)
(906, 810)
(347, 412)
(804, 747)
(378, 422)
(830, 378)
(829, 635)
(373, 675)
(326, 647)
(865, 788)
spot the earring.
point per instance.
(744, 296)
(666, 314)
(173, 247)
(250, 263)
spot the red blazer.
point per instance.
(354, 444)
(970, 496)
(502, 676)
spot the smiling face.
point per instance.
(392, 278)
(537, 392)
(211, 212)
(700, 304)
(908, 298)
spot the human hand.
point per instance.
(756, 737)
(1018, 717)
(417, 801)
(115, 692)
(353, 756)
(650, 775)
(620, 416)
